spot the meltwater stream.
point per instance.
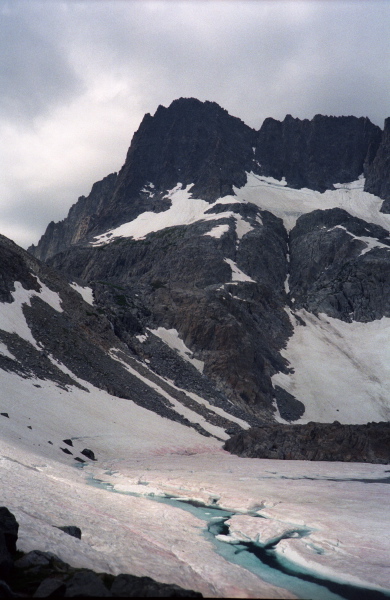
(263, 562)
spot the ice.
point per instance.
(341, 370)
(172, 339)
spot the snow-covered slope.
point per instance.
(142, 454)
(340, 371)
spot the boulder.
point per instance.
(9, 527)
(88, 453)
(71, 530)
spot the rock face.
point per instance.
(225, 294)
(199, 143)
(317, 153)
(338, 277)
(179, 279)
(378, 175)
(69, 331)
(315, 441)
(80, 220)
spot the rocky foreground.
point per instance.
(43, 575)
(315, 441)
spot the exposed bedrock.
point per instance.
(340, 265)
(190, 142)
(317, 153)
(181, 278)
(81, 218)
(378, 174)
(315, 441)
(199, 143)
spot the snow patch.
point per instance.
(142, 338)
(85, 292)
(218, 231)
(5, 352)
(289, 204)
(237, 274)
(172, 339)
(176, 405)
(184, 210)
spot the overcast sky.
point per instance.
(77, 77)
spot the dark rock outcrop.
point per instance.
(9, 527)
(179, 278)
(80, 337)
(80, 220)
(315, 441)
(330, 270)
(316, 154)
(378, 174)
(71, 530)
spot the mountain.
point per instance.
(226, 290)
(233, 240)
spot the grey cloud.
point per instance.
(34, 73)
(255, 58)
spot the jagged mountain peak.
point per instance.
(234, 239)
(199, 144)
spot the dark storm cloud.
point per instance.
(77, 77)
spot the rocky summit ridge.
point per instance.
(233, 240)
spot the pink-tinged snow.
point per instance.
(341, 371)
(12, 319)
(120, 533)
(85, 292)
(172, 339)
(139, 451)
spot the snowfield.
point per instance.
(140, 452)
(341, 370)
